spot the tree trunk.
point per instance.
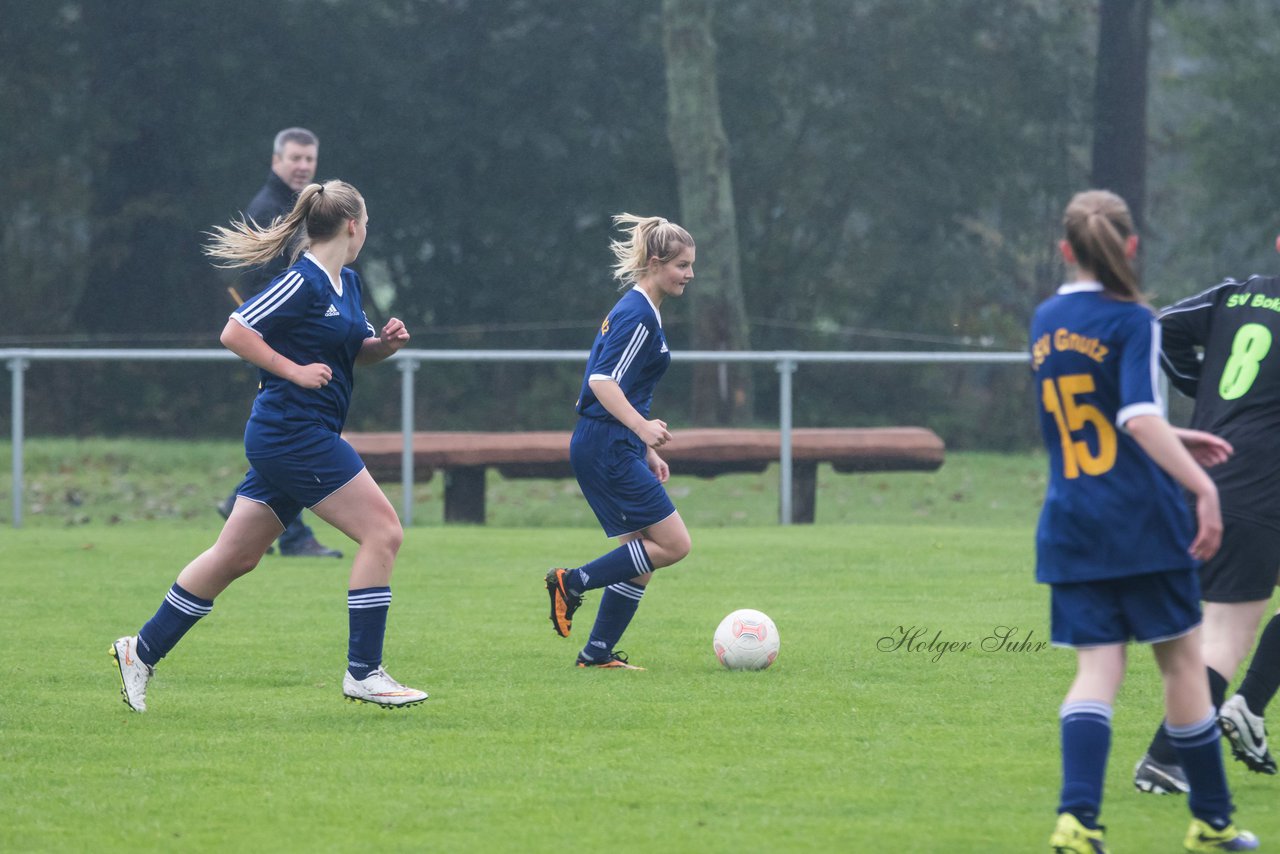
(721, 392)
(1120, 102)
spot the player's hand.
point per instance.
(394, 334)
(315, 375)
(654, 433)
(1209, 527)
(658, 466)
(1206, 448)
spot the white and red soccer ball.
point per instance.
(746, 640)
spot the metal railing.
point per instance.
(786, 362)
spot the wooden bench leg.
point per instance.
(464, 495)
(804, 492)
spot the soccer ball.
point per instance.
(746, 640)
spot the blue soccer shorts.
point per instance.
(1149, 608)
(609, 462)
(293, 480)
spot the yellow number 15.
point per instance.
(1060, 401)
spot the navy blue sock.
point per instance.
(367, 617)
(617, 606)
(1086, 741)
(177, 613)
(1161, 748)
(1201, 758)
(622, 564)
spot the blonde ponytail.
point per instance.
(320, 212)
(648, 238)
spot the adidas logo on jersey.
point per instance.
(332, 312)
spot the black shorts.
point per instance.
(1245, 567)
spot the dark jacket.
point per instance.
(275, 199)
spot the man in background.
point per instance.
(293, 167)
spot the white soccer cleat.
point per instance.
(1247, 734)
(381, 690)
(134, 674)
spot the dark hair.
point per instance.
(320, 212)
(302, 136)
(1098, 226)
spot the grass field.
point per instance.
(851, 742)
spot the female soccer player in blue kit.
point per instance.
(1115, 539)
(614, 446)
(306, 332)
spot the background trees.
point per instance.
(1120, 102)
(721, 393)
(898, 171)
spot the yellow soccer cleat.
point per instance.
(1201, 836)
(1072, 837)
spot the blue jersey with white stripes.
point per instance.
(1109, 511)
(629, 349)
(307, 318)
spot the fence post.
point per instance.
(17, 370)
(786, 367)
(408, 365)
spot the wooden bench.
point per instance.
(464, 457)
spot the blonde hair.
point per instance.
(319, 213)
(648, 238)
(1098, 226)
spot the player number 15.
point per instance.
(1071, 416)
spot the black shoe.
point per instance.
(309, 548)
(1159, 778)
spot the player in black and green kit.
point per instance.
(1236, 386)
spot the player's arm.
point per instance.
(1162, 444)
(253, 348)
(393, 336)
(1207, 449)
(1140, 414)
(1184, 327)
(658, 466)
(652, 432)
(626, 339)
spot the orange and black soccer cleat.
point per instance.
(563, 603)
(615, 661)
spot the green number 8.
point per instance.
(1251, 344)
